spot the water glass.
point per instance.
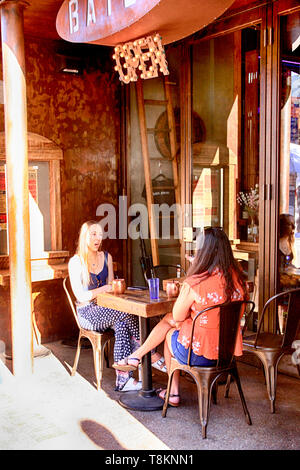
(154, 288)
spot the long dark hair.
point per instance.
(215, 253)
(287, 227)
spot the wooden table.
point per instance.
(290, 277)
(137, 302)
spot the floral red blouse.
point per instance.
(209, 292)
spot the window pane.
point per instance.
(289, 202)
(226, 133)
(39, 209)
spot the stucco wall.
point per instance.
(81, 114)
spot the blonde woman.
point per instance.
(90, 271)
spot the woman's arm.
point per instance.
(75, 269)
(81, 294)
(181, 308)
(110, 266)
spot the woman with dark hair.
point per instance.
(286, 239)
(214, 278)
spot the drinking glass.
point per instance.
(154, 288)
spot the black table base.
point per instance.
(141, 401)
(146, 399)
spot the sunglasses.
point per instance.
(209, 227)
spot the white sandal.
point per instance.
(130, 386)
(160, 365)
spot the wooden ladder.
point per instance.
(141, 102)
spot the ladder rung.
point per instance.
(156, 102)
(153, 130)
(160, 159)
(158, 188)
(173, 245)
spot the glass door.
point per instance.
(225, 157)
(164, 171)
(289, 196)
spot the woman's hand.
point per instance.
(106, 288)
(175, 324)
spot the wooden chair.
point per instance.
(98, 340)
(206, 377)
(270, 347)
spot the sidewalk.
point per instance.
(53, 410)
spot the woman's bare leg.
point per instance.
(157, 336)
(168, 354)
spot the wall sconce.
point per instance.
(145, 54)
(70, 65)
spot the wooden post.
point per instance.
(12, 35)
(285, 139)
(173, 139)
(148, 182)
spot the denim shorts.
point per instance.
(181, 354)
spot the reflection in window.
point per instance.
(214, 154)
(290, 136)
(226, 98)
(289, 196)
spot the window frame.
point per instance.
(42, 149)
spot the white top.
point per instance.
(82, 294)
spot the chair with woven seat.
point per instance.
(270, 347)
(99, 341)
(206, 377)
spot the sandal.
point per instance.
(127, 367)
(160, 365)
(131, 386)
(161, 392)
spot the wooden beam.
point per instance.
(173, 142)
(12, 35)
(148, 181)
(55, 205)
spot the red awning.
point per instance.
(111, 22)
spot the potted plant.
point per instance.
(249, 200)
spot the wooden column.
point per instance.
(285, 139)
(148, 181)
(186, 150)
(12, 35)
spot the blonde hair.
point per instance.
(82, 249)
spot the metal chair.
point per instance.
(249, 271)
(98, 340)
(206, 377)
(270, 347)
(168, 271)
